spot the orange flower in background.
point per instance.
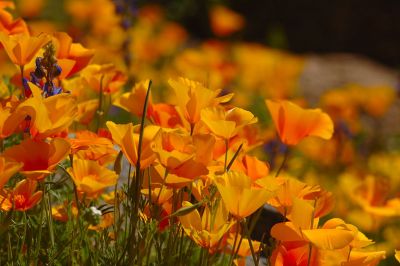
(133, 101)
(23, 197)
(22, 48)
(60, 212)
(7, 169)
(91, 178)
(126, 136)
(7, 24)
(224, 21)
(294, 123)
(71, 57)
(39, 157)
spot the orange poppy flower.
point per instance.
(192, 97)
(71, 57)
(294, 123)
(241, 196)
(90, 146)
(166, 115)
(48, 116)
(251, 166)
(91, 178)
(7, 169)
(39, 157)
(7, 24)
(133, 101)
(6, 128)
(23, 197)
(206, 230)
(126, 136)
(21, 48)
(225, 21)
(226, 123)
(107, 75)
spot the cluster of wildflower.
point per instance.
(187, 182)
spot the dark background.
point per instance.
(370, 28)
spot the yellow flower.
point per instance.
(91, 178)
(241, 196)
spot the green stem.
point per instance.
(247, 233)
(234, 244)
(100, 107)
(285, 157)
(226, 155)
(21, 68)
(49, 216)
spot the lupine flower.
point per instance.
(23, 197)
(294, 123)
(39, 157)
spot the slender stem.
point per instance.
(39, 237)
(234, 244)
(309, 254)
(49, 216)
(226, 155)
(21, 68)
(234, 157)
(348, 255)
(247, 233)
(100, 107)
(285, 157)
(24, 235)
